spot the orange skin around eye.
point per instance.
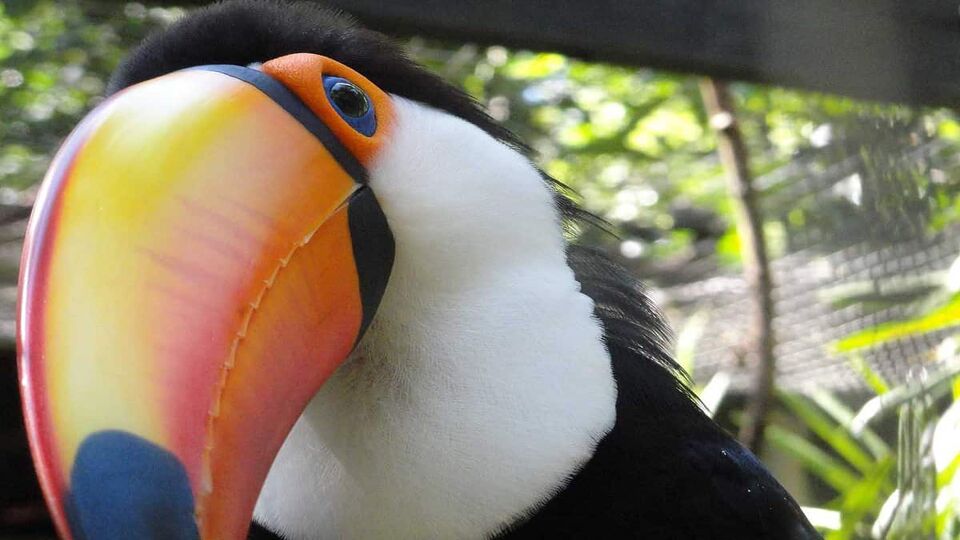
(303, 74)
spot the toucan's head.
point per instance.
(272, 197)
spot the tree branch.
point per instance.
(753, 249)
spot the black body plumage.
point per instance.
(665, 470)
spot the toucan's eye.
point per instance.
(349, 99)
(351, 103)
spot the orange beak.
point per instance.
(203, 255)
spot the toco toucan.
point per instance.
(283, 273)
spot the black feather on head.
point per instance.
(243, 32)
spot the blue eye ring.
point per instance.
(352, 104)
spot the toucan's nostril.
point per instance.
(123, 486)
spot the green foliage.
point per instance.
(911, 491)
(637, 146)
(55, 58)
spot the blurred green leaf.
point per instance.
(874, 380)
(946, 316)
(860, 503)
(829, 469)
(834, 435)
(843, 416)
(687, 339)
(728, 247)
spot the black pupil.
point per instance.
(349, 99)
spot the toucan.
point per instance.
(282, 274)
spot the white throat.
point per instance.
(482, 384)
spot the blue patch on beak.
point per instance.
(123, 486)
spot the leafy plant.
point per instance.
(910, 490)
(906, 492)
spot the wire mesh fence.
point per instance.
(846, 270)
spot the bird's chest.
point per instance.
(454, 421)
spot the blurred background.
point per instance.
(787, 186)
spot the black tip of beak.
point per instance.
(123, 486)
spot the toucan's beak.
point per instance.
(203, 254)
